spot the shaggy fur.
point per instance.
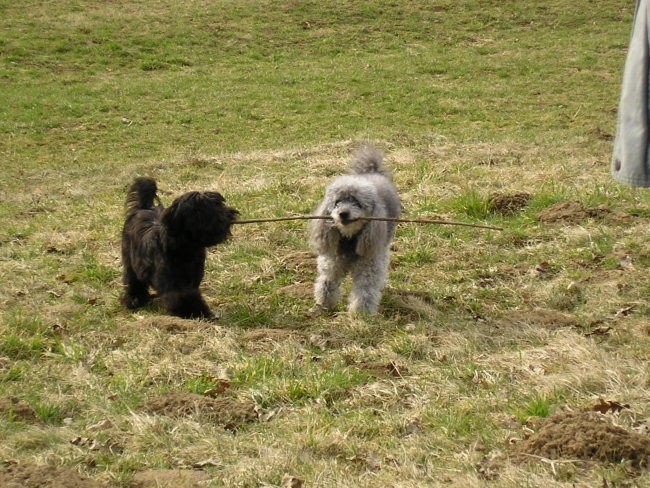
(347, 244)
(165, 248)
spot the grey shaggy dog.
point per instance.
(348, 244)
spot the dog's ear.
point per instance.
(323, 235)
(173, 216)
(372, 238)
(184, 217)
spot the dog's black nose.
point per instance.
(344, 215)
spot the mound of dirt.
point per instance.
(16, 409)
(508, 203)
(223, 411)
(34, 476)
(588, 436)
(571, 212)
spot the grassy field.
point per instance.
(506, 359)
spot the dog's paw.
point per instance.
(133, 302)
(192, 313)
(363, 309)
(315, 311)
(318, 311)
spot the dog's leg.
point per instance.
(187, 304)
(331, 272)
(136, 293)
(368, 280)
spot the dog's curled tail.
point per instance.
(368, 160)
(141, 194)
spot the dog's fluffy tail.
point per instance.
(368, 160)
(141, 195)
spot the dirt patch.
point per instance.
(548, 319)
(34, 476)
(588, 436)
(16, 409)
(223, 410)
(571, 212)
(169, 478)
(508, 203)
(298, 290)
(602, 134)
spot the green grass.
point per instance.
(536, 407)
(482, 334)
(268, 70)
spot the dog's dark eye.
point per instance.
(349, 200)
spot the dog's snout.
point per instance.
(345, 215)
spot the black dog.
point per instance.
(165, 248)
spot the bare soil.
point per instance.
(17, 410)
(35, 476)
(224, 410)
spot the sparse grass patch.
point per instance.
(412, 346)
(27, 337)
(201, 384)
(273, 381)
(471, 204)
(247, 316)
(36, 441)
(15, 347)
(48, 413)
(14, 373)
(461, 424)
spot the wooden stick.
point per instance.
(386, 219)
